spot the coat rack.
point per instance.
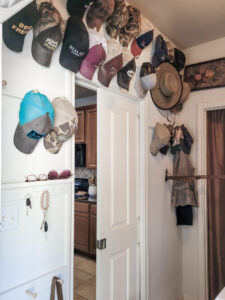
(194, 177)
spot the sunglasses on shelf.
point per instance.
(32, 177)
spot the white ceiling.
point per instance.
(187, 23)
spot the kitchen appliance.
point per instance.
(81, 187)
(80, 155)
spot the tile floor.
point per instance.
(84, 278)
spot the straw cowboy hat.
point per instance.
(185, 94)
(168, 88)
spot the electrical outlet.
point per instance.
(9, 217)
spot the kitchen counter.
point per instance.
(90, 200)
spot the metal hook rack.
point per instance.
(191, 178)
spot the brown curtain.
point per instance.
(216, 201)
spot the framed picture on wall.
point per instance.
(206, 75)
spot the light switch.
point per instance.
(9, 217)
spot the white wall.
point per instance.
(188, 116)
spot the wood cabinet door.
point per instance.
(93, 229)
(91, 138)
(81, 227)
(80, 133)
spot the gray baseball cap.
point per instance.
(65, 124)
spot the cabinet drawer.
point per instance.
(93, 209)
(82, 207)
(41, 287)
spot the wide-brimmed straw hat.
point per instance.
(168, 88)
(185, 94)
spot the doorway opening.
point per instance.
(215, 202)
(85, 215)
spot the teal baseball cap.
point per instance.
(36, 118)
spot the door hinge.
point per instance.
(101, 244)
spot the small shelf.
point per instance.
(15, 185)
(7, 12)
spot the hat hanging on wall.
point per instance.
(132, 28)
(185, 94)
(161, 52)
(48, 33)
(16, 28)
(99, 12)
(36, 118)
(75, 44)
(144, 39)
(161, 138)
(118, 19)
(78, 7)
(113, 63)
(125, 75)
(179, 59)
(96, 55)
(168, 89)
(65, 124)
(146, 80)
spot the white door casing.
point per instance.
(118, 197)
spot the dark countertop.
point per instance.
(90, 200)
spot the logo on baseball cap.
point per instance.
(125, 75)
(36, 119)
(75, 44)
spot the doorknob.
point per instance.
(33, 295)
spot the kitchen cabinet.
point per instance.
(80, 133)
(85, 227)
(91, 138)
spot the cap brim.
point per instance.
(103, 76)
(123, 80)
(155, 61)
(40, 54)
(12, 40)
(68, 62)
(22, 142)
(139, 87)
(135, 49)
(87, 70)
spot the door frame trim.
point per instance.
(144, 269)
(202, 187)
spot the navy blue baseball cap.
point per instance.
(144, 39)
(161, 52)
(36, 118)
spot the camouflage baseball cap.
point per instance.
(99, 12)
(48, 33)
(65, 124)
(132, 29)
(118, 19)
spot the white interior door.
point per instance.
(118, 197)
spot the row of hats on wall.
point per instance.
(55, 122)
(85, 49)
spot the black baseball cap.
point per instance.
(125, 75)
(16, 27)
(48, 33)
(77, 7)
(75, 44)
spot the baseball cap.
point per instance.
(161, 138)
(75, 44)
(99, 12)
(125, 75)
(145, 37)
(96, 55)
(16, 27)
(48, 33)
(179, 59)
(36, 118)
(132, 28)
(118, 19)
(147, 79)
(65, 124)
(113, 63)
(161, 52)
(77, 7)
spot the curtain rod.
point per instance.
(194, 177)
